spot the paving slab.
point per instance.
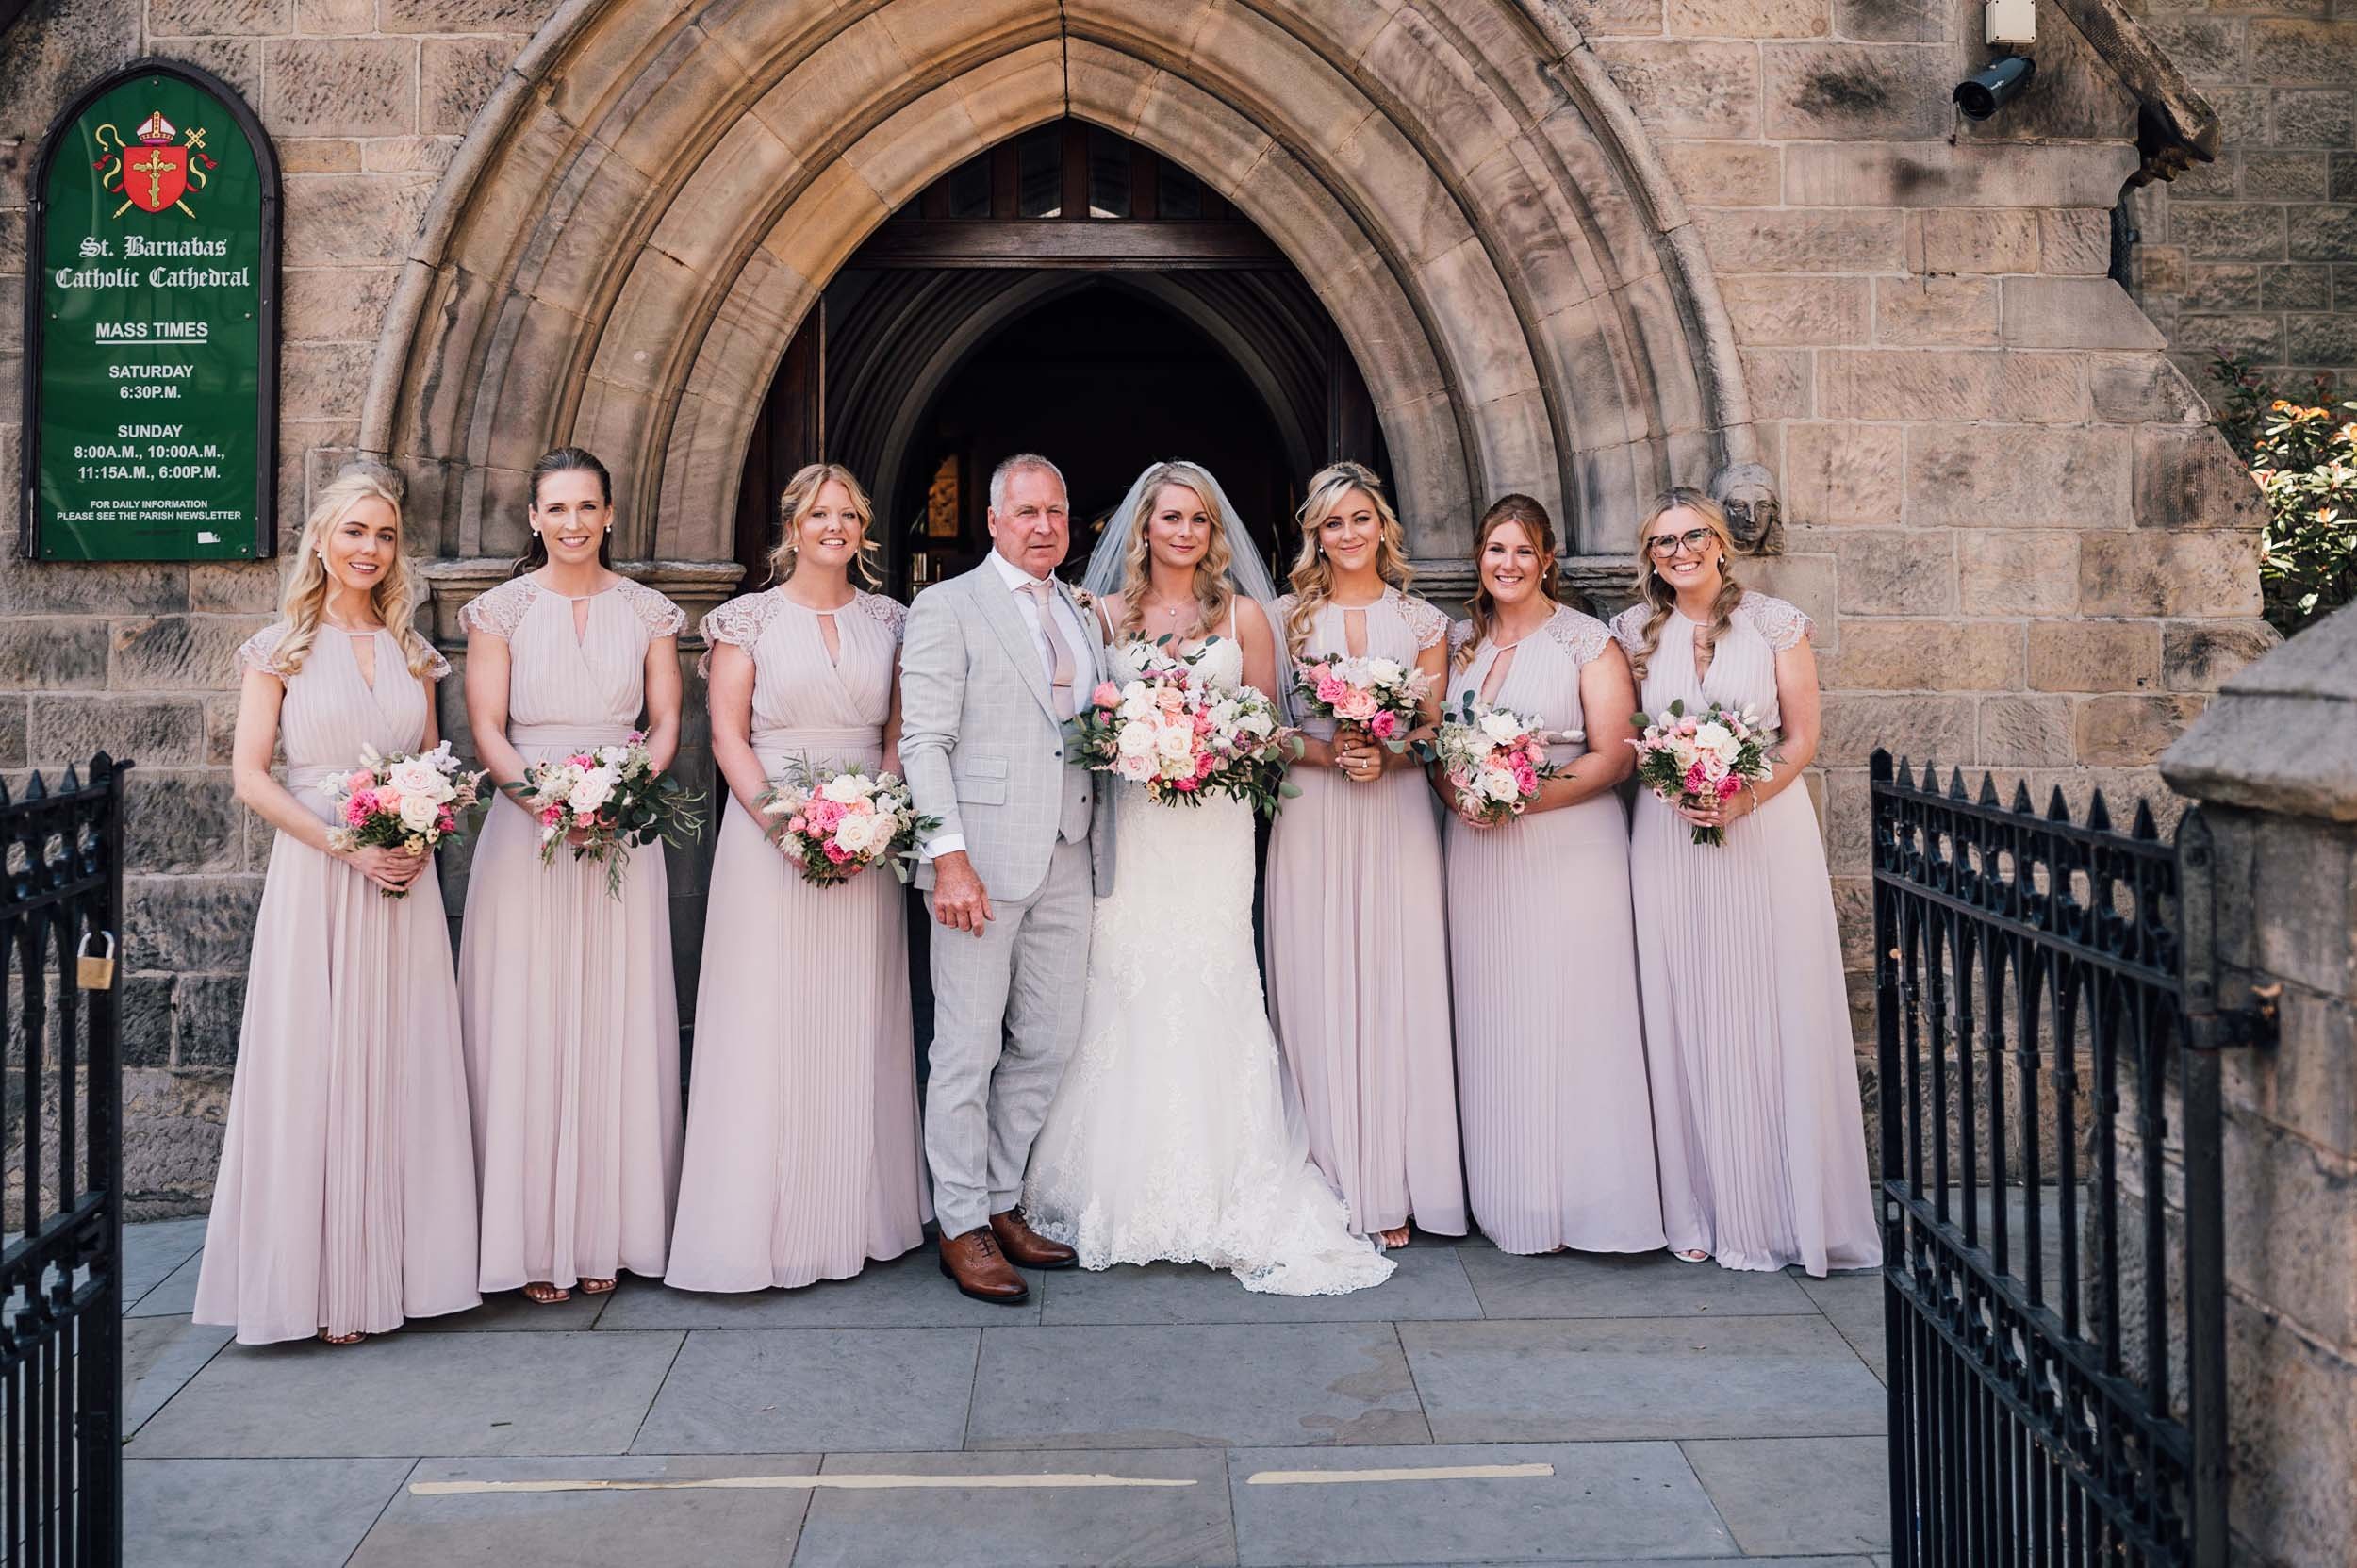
(906, 1293)
(1039, 1527)
(510, 1311)
(417, 1393)
(1643, 1284)
(169, 1352)
(152, 1251)
(791, 1391)
(1626, 1500)
(173, 1296)
(1430, 1282)
(252, 1513)
(1193, 1385)
(1641, 1377)
(1840, 1484)
(1853, 1303)
(753, 1528)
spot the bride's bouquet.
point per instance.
(1382, 697)
(1686, 760)
(411, 800)
(836, 825)
(1183, 737)
(1494, 758)
(614, 797)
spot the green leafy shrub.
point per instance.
(2304, 456)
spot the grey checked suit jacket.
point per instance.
(980, 737)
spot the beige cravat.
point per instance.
(1059, 661)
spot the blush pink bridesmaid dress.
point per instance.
(572, 1027)
(803, 1155)
(1542, 960)
(346, 1198)
(1747, 1022)
(1356, 960)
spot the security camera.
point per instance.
(1983, 96)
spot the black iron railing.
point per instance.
(61, 1340)
(2051, 1183)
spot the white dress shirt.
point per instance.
(1065, 626)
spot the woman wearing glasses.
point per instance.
(1747, 1022)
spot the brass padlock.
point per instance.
(96, 973)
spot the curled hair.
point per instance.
(1517, 508)
(1312, 576)
(1213, 591)
(802, 494)
(1014, 465)
(304, 604)
(1660, 597)
(567, 459)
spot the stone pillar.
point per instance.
(2274, 763)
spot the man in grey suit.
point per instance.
(992, 664)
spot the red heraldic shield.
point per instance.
(154, 178)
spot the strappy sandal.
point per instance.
(1696, 1256)
(326, 1338)
(598, 1287)
(541, 1292)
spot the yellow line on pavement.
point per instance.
(982, 1483)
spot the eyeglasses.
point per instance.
(1665, 545)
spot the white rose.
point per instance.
(1137, 739)
(1137, 700)
(1176, 741)
(856, 834)
(595, 788)
(1716, 740)
(1502, 728)
(416, 776)
(1257, 724)
(844, 788)
(1137, 769)
(1498, 784)
(418, 812)
(1384, 673)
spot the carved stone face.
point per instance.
(1755, 516)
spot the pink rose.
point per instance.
(1383, 726)
(836, 852)
(823, 814)
(357, 809)
(1170, 699)
(386, 799)
(1186, 783)
(1357, 705)
(1526, 776)
(1696, 781)
(551, 817)
(445, 823)
(360, 780)
(1728, 785)
(1688, 726)
(1331, 691)
(1107, 695)
(800, 824)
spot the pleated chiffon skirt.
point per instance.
(573, 1058)
(1747, 1030)
(1357, 974)
(346, 1198)
(1550, 1040)
(803, 1156)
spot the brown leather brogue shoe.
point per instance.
(1026, 1247)
(973, 1262)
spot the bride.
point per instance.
(1172, 1135)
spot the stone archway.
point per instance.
(639, 220)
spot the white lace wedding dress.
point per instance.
(1171, 1136)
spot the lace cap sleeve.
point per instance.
(1784, 625)
(1429, 624)
(741, 621)
(437, 667)
(888, 613)
(1459, 634)
(260, 651)
(1628, 629)
(1583, 636)
(662, 618)
(500, 610)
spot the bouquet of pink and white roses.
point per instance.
(613, 797)
(1687, 759)
(836, 824)
(412, 801)
(1494, 758)
(1381, 696)
(1183, 737)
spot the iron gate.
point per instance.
(2050, 1181)
(61, 1343)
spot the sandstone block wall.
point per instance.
(2256, 253)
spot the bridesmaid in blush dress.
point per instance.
(1357, 953)
(345, 1201)
(802, 1160)
(1542, 948)
(572, 1030)
(1747, 1022)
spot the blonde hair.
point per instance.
(802, 494)
(304, 604)
(1529, 512)
(1213, 591)
(1658, 594)
(1312, 577)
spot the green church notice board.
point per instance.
(152, 327)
